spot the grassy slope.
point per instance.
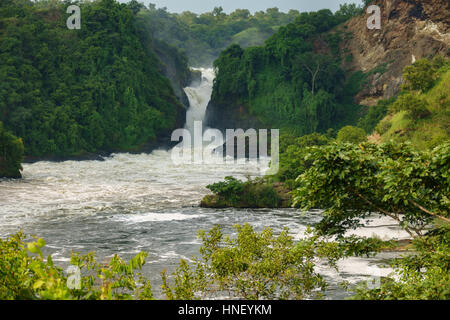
(430, 131)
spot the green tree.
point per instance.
(253, 265)
(64, 91)
(293, 160)
(26, 275)
(413, 103)
(350, 182)
(421, 75)
(351, 134)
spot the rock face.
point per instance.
(410, 30)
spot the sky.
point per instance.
(201, 6)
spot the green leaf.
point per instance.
(41, 243)
(39, 283)
(33, 248)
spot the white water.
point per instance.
(129, 203)
(199, 96)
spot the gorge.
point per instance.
(364, 149)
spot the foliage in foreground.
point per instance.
(422, 275)
(25, 274)
(252, 266)
(249, 265)
(350, 182)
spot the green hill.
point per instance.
(421, 113)
(288, 83)
(69, 92)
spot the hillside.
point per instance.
(102, 88)
(420, 115)
(275, 86)
(287, 83)
(410, 30)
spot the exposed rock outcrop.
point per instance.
(410, 30)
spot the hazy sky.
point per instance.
(200, 6)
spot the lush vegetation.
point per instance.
(289, 82)
(67, 92)
(203, 36)
(11, 154)
(374, 115)
(348, 181)
(252, 266)
(352, 181)
(351, 134)
(249, 265)
(293, 151)
(26, 275)
(421, 112)
(257, 193)
(424, 275)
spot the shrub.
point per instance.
(351, 134)
(422, 74)
(253, 265)
(25, 274)
(383, 126)
(414, 104)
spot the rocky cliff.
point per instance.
(410, 30)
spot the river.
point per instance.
(129, 203)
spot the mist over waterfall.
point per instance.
(199, 95)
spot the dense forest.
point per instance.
(68, 92)
(104, 88)
(294, 81)
(203, 36)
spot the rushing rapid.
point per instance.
(129, 203)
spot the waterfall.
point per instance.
(199, 95)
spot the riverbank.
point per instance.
(163, 143)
